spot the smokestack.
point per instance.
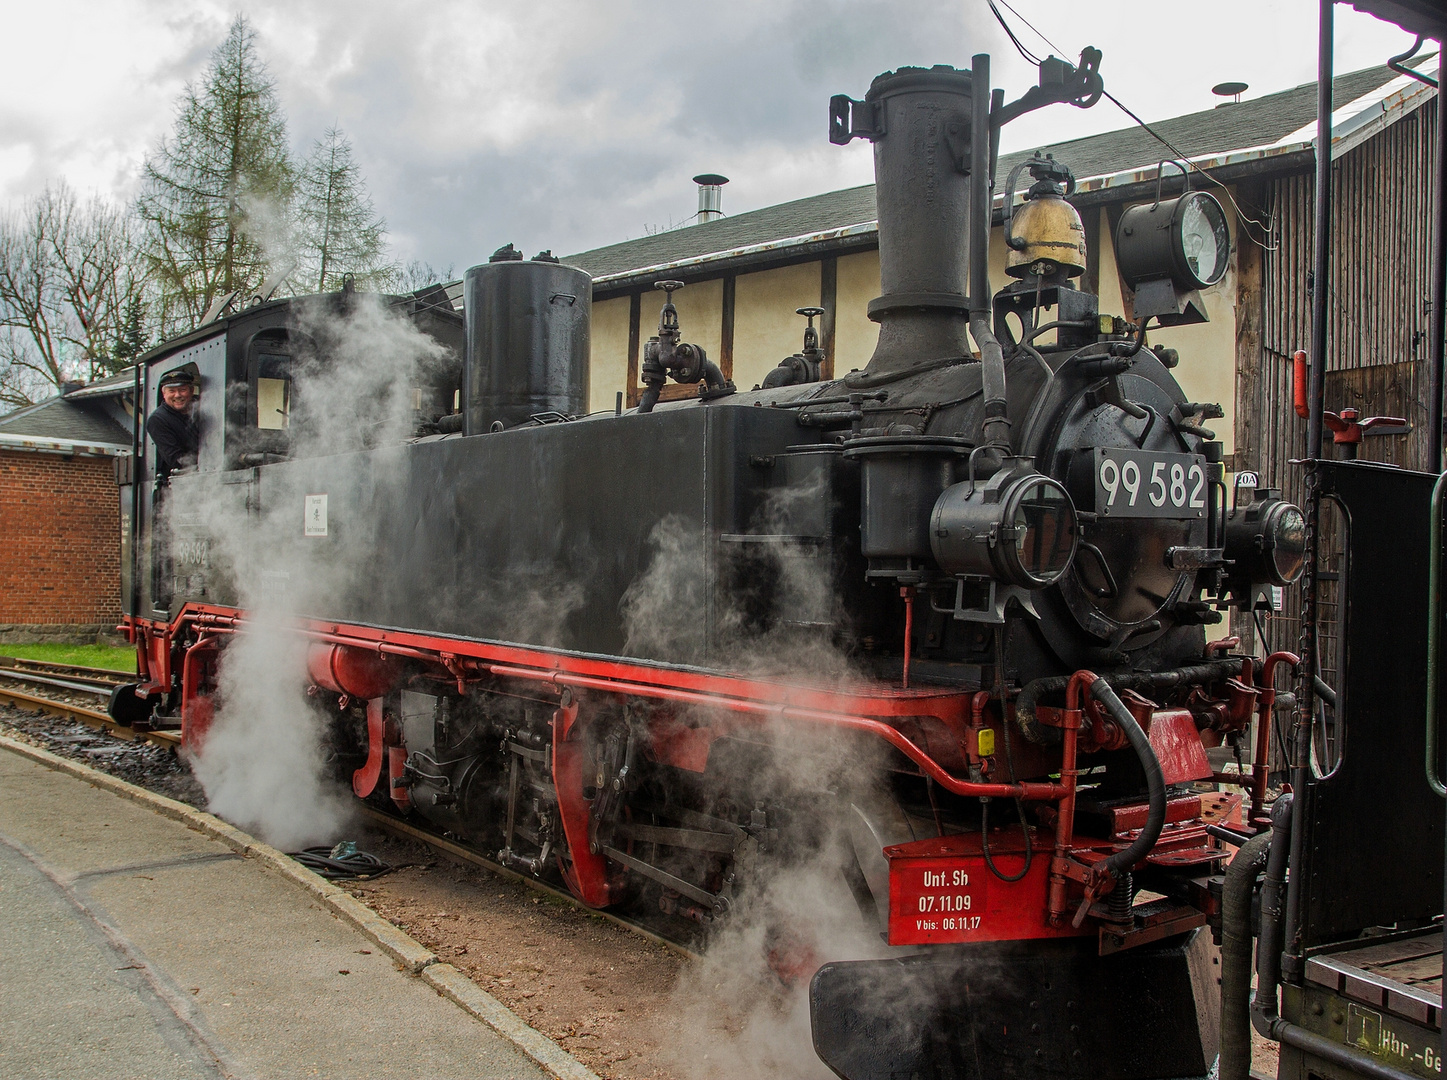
(710, 195)
(921, 123)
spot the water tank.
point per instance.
(527, 340)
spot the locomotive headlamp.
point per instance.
(1183, 239)
(1017, 527)
(1167, 250)
(1266, 541)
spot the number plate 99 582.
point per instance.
(1147, 483)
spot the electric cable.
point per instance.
(985, 843)
(1268, 226)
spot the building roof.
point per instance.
(1224, 133)
(90, 414)
(818, 213)
(1228, 127)
(118, 385)
(1426, 17)
(64, 447)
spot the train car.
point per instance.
(941, 621)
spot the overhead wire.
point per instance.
(1268, 226)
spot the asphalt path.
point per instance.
(132, 947)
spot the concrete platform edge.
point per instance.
(411, 955)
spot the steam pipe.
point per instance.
(1265, 707)
(1268, 949)
(992, 356)
(1045, 735)
(1240, 883)
(979, 186)
(1036, 792)
(907, 592)
(711, 373)
(1065, 819)
(992, 382)
(1155, 784)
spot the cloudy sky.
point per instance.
(567, 124)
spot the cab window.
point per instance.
(272, 393)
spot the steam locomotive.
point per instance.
(942, 619)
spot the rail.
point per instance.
(90, 717)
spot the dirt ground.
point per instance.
(598, 990)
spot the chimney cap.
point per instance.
(710, 179)
(1232, 90)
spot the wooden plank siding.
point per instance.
(1377, 318)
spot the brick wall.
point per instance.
(60, 543)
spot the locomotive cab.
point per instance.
(249, 412)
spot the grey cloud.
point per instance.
(573, 124)
(624, 102)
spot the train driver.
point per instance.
(172, 426)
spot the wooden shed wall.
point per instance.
(1377, 318)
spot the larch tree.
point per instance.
(417, 274)
(338, 233)
(217, 194)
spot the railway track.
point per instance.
(77, 680)
(30, 684)
(461, 852)
(63, 674)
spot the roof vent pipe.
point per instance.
(710, 195)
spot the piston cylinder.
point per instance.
(527, 341)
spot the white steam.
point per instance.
(263, 763)
(743, 1008)
(774, 606)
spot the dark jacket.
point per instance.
(176, 437)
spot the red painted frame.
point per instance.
(871, 708)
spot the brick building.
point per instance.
(60, 515)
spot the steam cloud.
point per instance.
(743, 1009)
(263, 764)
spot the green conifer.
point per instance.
(337, 230)
(217, 195)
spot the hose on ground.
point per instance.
(336, 862)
